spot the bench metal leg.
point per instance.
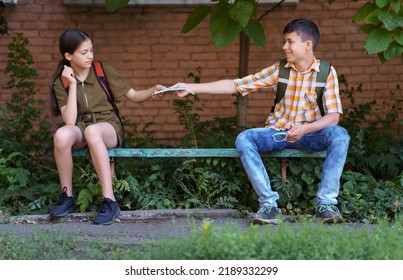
(112, 166)
(284, 170)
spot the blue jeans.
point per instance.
(253, 142)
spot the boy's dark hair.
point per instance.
(306, 29)
(69, 42)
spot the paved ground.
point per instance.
(133, 227)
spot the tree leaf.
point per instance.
(114, 5)
(222, 28)
(197, 16)
(367, 28)
(399, 37)
(378, 41)
(393, 50)
(255, 30)
(381, 3)
(363, 12)
(388, 20)
(399, 22)
(396, 5)
(381, 57)
(242, 11)
(372, 17)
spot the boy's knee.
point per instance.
(340, 135)
(241, 139)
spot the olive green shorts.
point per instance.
(108, 116)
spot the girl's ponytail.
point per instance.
(69, 41)
(54, 107)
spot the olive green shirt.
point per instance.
(93, 105)
(91, 98)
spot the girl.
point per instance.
(89, 120)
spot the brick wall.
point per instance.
(145, 45)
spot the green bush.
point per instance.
(375, 147)
(25, 140)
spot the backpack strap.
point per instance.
(64, 83)
(100, 75)
(282, 82)
(320, 83)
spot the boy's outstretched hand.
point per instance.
(182, 89)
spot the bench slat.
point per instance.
(189, 153)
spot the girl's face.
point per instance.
(83, 55)
(293, 47)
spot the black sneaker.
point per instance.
(328, 214)
(266, 215)
(64, 206)
(109, 212)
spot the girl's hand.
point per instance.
(157, 88)
(68, 74)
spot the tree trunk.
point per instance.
(242, 101)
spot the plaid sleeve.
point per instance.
(267, 78)
(331, 96)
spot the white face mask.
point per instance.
(280, 136)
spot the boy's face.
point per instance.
(294, 48)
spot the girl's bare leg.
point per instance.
(100, 137)
(66, 138)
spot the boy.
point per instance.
(296, 121)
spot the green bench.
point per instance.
(202, 153)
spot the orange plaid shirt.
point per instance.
(299, 103)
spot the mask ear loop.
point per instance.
(283, 136)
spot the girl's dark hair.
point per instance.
(306, 29)
(69, 42)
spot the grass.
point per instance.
(302, 241)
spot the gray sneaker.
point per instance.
(266, 215)
(328, 214)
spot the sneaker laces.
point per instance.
(62, 197)
(105, 206)
(323, 208)
(265, 209)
